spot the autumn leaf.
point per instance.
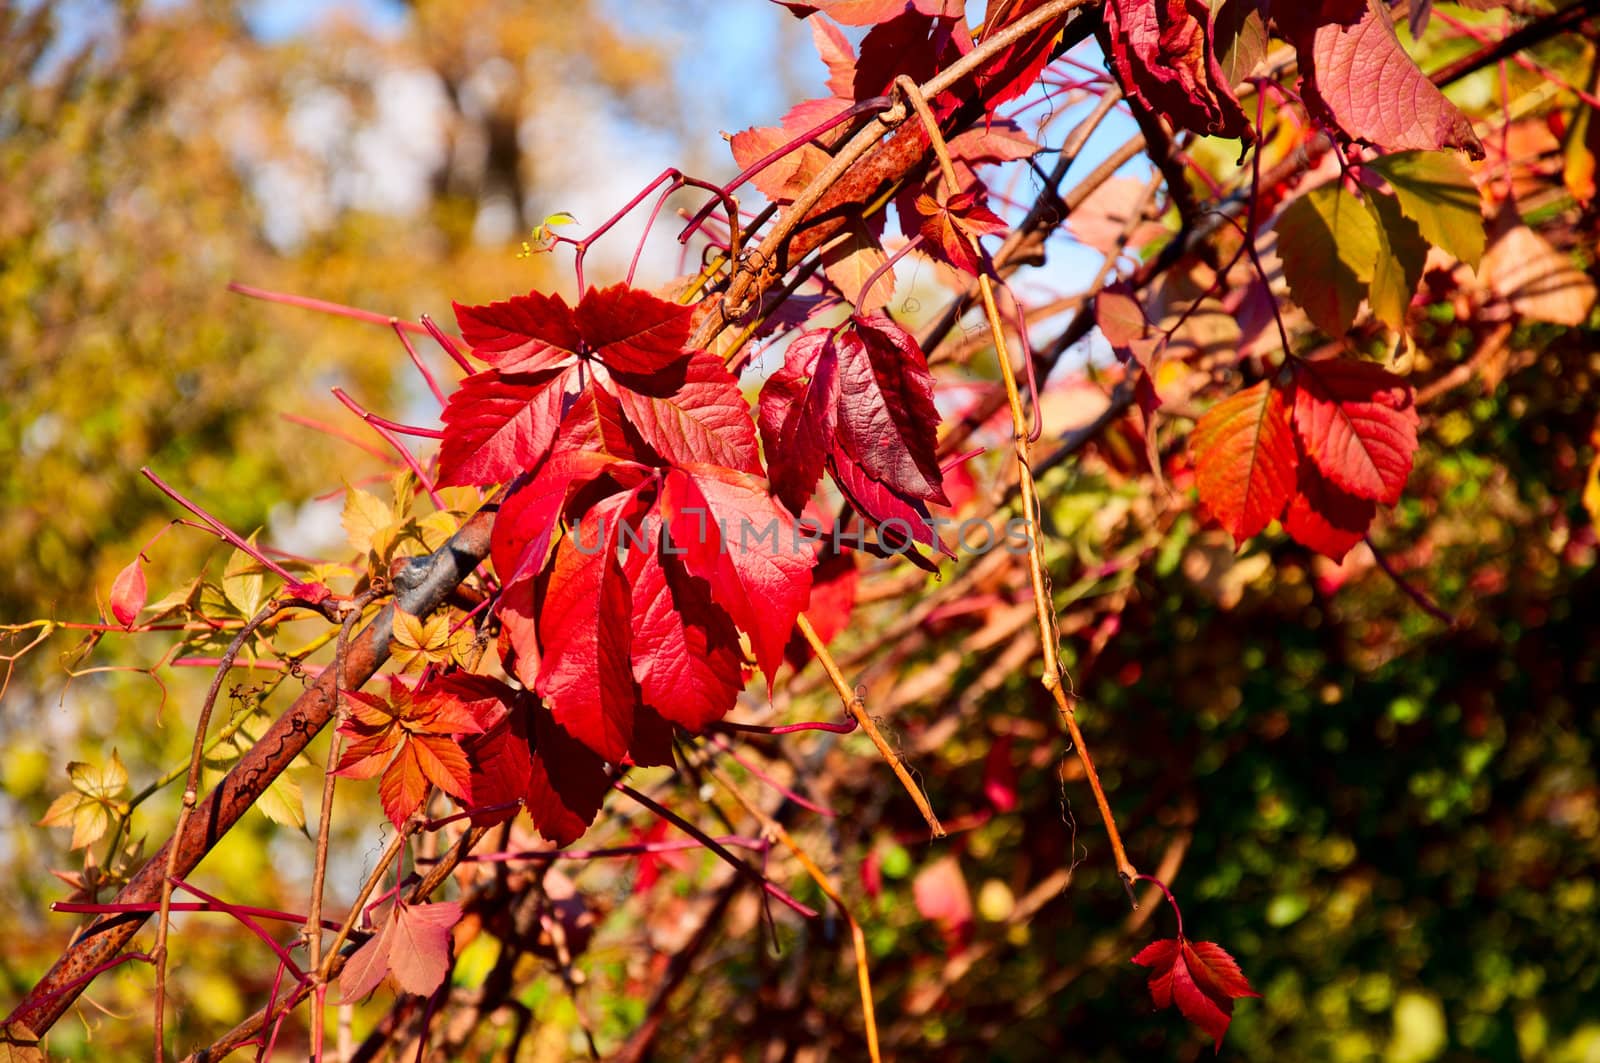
(1328, 242)
(412, 740)
(1162, 53)
(526, 334)
(798, 412)
(94, 798)
(419, 642)
(1200, 977)
(525, 757)
(1245, 459)
(853, 259)
(887, 422)
(412, 947)
(736, 538)
(951, 224)
(1436, 191)
(1398, 266)
(1362, 81)
(585, 669)
(692, 412)
(497, 426)
(1323, 518)
(1358, 423)
(128, 593)
(686, 655)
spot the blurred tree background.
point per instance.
(1393, 823)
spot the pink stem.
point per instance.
(379, 425)
(422, 367)
(843, 728)
(727, 747)
(216, 526)
(449, 345)
(322, 306)
(772, 889)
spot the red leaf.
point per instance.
(519, 542)
(887, 420)
(1358, 422)
(128, 594)
(497, 426)
(1245, 459)
(911, 43)
(746, 547)
(686, 655)
(528, 757)
(1324, 518)
(835, 50)
(1363, 81)
(567, 784)
(1162, 53)
(526, 334)
(950, 226)
(692, 413)
(632, 331)
(651, 745)
(889, 511)
(1014, 69)
(1200, 976)
(941, 895)
(412, 945)
(419, 945)
(798, 414)
(584, 630)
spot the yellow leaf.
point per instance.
(242, 582)
(436, 528)
(418, 642)
(284, 803)
(366, 520)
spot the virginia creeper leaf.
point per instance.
(892, 514)
(584, 630)
(887, 420)
(746, 547)
(693, 412)
(498, 426)
(529, 333)
(1358, 422)
(686, 655)
(525, 755)
(1329, 243)
(632, 331)
(1163, 56)
(413, 947)
(798, 415)
(1200, 977)
(1245, 459)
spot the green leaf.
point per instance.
(1328, 242)
(1435, 190)
(1401, 254)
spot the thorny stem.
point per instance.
(191, 794)
(858, 712)
(1044, 607)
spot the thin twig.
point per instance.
(858, 712)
